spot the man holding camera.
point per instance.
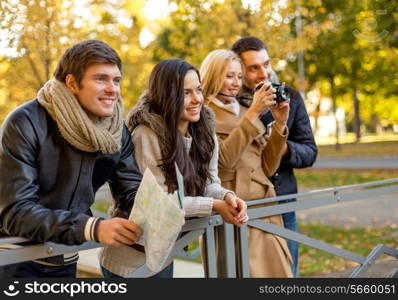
(301, 150)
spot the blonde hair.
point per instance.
(213, 70)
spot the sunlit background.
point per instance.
(342, 55)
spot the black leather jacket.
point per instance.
(47, 186)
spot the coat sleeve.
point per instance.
(273, 151)
(126, 178)
(21, 214)
(148, 155)
(302, 148)
(235, 144)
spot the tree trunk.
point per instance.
(357, 117)
(333, 96)
(316, 116)
(300, 54)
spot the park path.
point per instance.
(356, 163)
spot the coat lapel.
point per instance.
(226, 120)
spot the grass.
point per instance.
(350, 138)
(371, 149)
(101, 205)
(317, 178)
(358, 240)
(361, 241)
(322, 178)
(192, 246)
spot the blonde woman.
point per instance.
(246, 158)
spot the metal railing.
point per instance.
(234, 261)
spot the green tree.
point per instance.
(197, 27)
(120, 24)
(352, 60)
(39, 31)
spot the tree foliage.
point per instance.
(40, 31)
(350, 47)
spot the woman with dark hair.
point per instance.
(170, 125)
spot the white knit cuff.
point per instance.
(89, 229)
(216, 191)
(198, 206)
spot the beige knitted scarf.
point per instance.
(75, 126)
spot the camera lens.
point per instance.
(281, 93)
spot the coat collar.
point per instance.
(226, 120)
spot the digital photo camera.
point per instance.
(281, 93)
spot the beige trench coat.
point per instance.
(246, 160)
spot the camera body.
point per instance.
(281, 93)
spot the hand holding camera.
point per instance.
(263, 98)
(280, 111)
(281, 91)
(274, 96)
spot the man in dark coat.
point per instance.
(301, 149)
(57, 150)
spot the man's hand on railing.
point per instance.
(117, 232)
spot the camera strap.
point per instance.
(225, 95)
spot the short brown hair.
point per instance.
(248, 43)
(79, 57)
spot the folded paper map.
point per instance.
(161, 217)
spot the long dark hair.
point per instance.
(166, 98)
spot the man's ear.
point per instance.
(71, 83)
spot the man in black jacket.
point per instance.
(58, 150)
(301, 150)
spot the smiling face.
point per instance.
(257, 67)
(232, 82)
(98, 91)
(193, 100)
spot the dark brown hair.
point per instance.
(166, 98)
(248, 43)
(79, 57)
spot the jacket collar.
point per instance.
(226, 120)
